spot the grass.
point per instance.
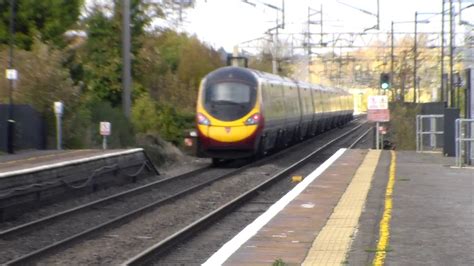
(279, 262)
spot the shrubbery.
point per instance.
(84, 71)
(402, 129)
(150, 117)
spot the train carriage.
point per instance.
(243, 112)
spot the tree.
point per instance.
(178, 63)
(43, 79)
(46, 19)
(102, 57)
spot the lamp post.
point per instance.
(126, 71)
(392, 56)
(11, 76)
(415, 52)
(443, 98)
(415, 55)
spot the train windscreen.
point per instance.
(228, 101)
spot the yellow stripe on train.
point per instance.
(228, 131)
(228, 134)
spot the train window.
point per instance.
(228, 91)
(229, 101)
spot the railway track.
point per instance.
(160, 193)
(148, 255)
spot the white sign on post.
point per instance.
(377, 102)
(58, 111)
(105, 128)
(11, 74)
(378, 108)
(58, 108)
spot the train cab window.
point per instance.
(229, 101)
(228, 92)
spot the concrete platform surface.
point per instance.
(38, 159)
(367, 208)
(432, 215)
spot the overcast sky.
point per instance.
(229, 22)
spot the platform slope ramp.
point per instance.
(42, 178)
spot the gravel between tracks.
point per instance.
(117, 245)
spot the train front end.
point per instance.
(228, 116)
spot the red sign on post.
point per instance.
(382, 115)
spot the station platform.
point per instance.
(34, 160)
(30, 178)
(365, 207)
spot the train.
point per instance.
(243, 113)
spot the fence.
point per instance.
(30, 128)
(464, 130)
(434, 122)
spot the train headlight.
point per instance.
(253, 119)
(202, 120)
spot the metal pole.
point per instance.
(457, 136)
(274, 61)
(321, 25)
(104, 142)
(442, 54)
(414, 59)
(126, 75)
(391, 62)
(283, 14)
(451, 63)
(432, 134)
(377, 137)
(275, 48)
(309, 44)
(58, 132)
(10, 121)
(417, 133)
(378, 14)
(421, 133)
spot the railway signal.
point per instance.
(385, 81)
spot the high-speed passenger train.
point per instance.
(243, 112)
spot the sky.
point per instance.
(226, 23)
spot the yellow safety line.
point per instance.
(384, 234)
(333, 242)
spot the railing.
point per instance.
(464, 134)
(434, 121)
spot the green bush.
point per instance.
(144, 115)
(122, 130)
(150, 117)
(402, 125)
(77, 127)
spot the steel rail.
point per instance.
(27, 226)
(360, 138)
(30, 257)
(173, 240)
(24, 227)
